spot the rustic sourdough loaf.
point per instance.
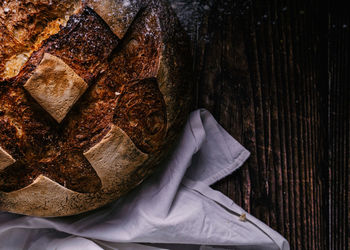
(93, 95)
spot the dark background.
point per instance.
(275, 74)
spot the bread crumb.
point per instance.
(243, 217)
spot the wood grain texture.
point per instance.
(339, 128)
(262, 70)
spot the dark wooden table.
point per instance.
(275, 74)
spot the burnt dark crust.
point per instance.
(83, 44)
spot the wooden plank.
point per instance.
(339, 128)
(260, 75)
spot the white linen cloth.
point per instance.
(175, 208)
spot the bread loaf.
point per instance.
(93, 95)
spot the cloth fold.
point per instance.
(174, 209)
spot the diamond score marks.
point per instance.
(55, 86)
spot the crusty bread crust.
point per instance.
(123, 95)
(25, 24)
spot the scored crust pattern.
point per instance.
(55, 86)
(87, 117)
(5, 159)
